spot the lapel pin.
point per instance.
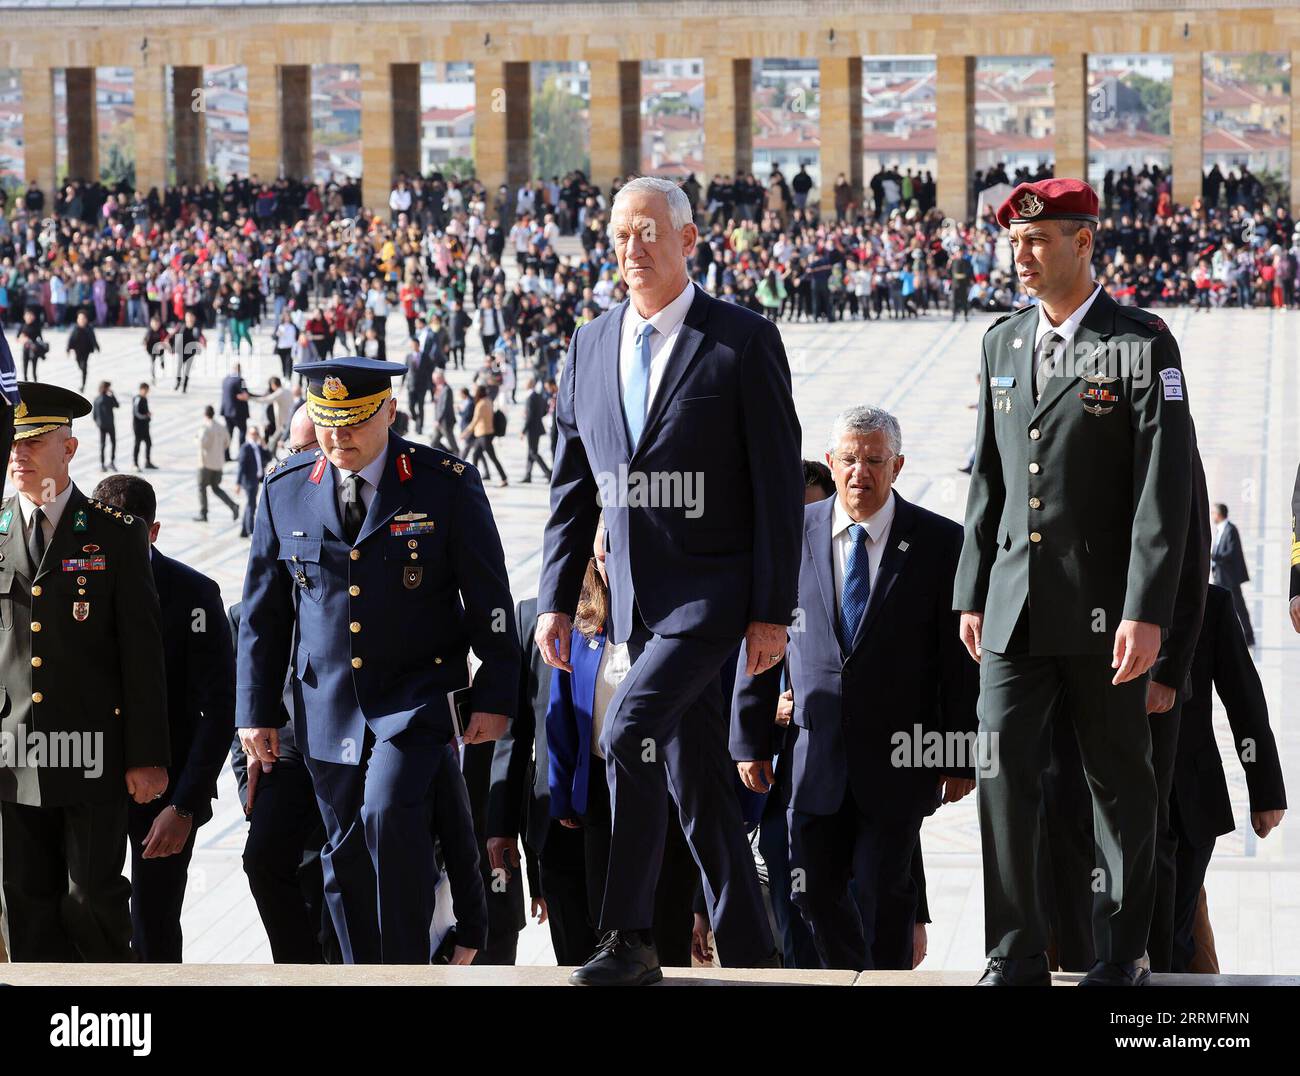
(902, 546)
(1017, 342)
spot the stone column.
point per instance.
(295, 120)
(841, 127)
(407, 126)
(38, 130)
(728, 117)
(1295, 135)
(1071, 109)
(502, 126)
(615, 118)
(1186, 115)
(264, 148)
(377, 134)
(955, 146)
(189, 124)
(83, 125)
(150, 89)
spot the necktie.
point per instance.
(36, 538)
(1050, 343)
(354, 508)
(637, 393)
(857, 584)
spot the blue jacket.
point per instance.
(378, 631)
(252, 464)
(568, 726)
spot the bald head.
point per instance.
(302, 431)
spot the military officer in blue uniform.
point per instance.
(375, 568)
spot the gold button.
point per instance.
(81, 580)
(36, 591)
(437, 661)
(81, 590)
(1034, 468)
(36, 625)
(1034, 434)
(356, 663)
(412, 544)
(37, 697)
(355, 554)
(1034, 536)
(36, 663)
(117, 711)
(355, 626)
(415, 556)
(1034, 502)
(354, 590)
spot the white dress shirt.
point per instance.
(877, 541)
(53, 511)
(1065, 330)
(370, 474)
(668, 324)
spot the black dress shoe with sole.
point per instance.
(625, 958)
(1017, 971)
(1130, 973)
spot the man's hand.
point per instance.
(700, 940)
(462, 955)
(955, 788)
(145, 784)
(1264, 822)
(1160, 698)
(972, 629)
(484, 728)
(167, 835)
(1295, 613)
(765, 646)
(538, 910)
(552, 638)
(757, 775)
(255, 771)
(503, 853)
(920, 943)
(1137, 645)
(785, 707)
(261, 744)
(570, 823)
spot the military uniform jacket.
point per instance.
(376, 632)
(1078, 506)
(80, 652)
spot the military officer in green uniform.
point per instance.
(83, 718)
(1076, 522)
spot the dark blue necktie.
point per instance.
(637, 393)
(857, 585)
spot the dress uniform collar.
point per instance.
(372, 472)
(1069, 326)
(53, 509)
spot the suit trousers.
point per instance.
(872, 849)
(796, 942)
(1019, 694)
(157, 890)
(1243, 614)
(666, 732)
(534, 456)
(675, 888)
(377, 862)
(564, 887)
(65, 899)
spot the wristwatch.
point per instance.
(181, 812)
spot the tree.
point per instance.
(558, 129)
(1155, 97)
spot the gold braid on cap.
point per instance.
(327, 412)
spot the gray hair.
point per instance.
(867, 420)
(679, 206)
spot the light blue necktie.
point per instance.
(857, 585)
(637, 392)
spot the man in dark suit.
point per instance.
(878, 676)
(1201, 809)
(444, 414)
(1229, 566)
(665, 395)
(519, 804)
(253, 458)
(1294, 589)
(200, 663)
(535, 409)
(234, 404)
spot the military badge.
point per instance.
(404, 471)
(410, 517)
(79, 525)
(85, 564)
(1017, 343)
(92, 548)
(80, 611)
(423, 527)
(1030, 205)
(6, 521)
(317, 471)
(458, 467)
(1098, 400)
(334, 389)
(411, 577)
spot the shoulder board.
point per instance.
(1006, 317)
(124, 518)
(295, 462)
(435, 459)
(1145, 318)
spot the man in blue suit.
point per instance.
(234, 404)
(883, 724)
(675, 416)
(375, 568)
(200, 664)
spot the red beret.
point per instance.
(1050, 199)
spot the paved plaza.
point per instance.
(1243, 372)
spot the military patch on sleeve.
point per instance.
(1172, 383)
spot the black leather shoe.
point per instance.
(1133, 973)
(625, 958)
(1017, 971)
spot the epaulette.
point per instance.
(109, 510)
(293, 463)
(1006, 317)
(436, 459)
(1145, 318)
